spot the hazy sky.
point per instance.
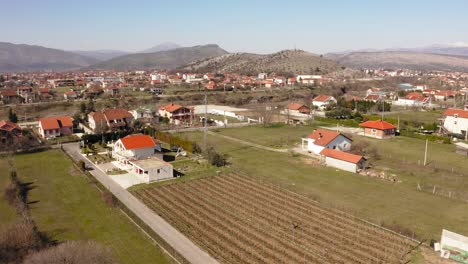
(253, 25)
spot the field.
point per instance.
(377, 200)
(239, 220)
(66, 206)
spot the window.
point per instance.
(159, 171)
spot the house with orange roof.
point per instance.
(342, 160)
(413, 99)
(113, 119)
(177, 114)
(9, 96)
(323, 101)
(70, 95)
(9, 132)
(52, 127)
(321, 139)
(378, 129)
(456, 121)
(134, 147)
(297, 109)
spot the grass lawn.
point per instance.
(373, 199)
(67, 207)
(276, 136)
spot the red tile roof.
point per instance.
(55, 122)
(171, 107)
(137, 141)
(8, 126)
(8, 92)
(460, 112)
(378, 124)
(118, 113)
(336, 154)
(324, 136)
(295, 106)
(322, 98)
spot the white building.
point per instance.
(342, 160)
(135, 147)
(322, 101)
(321, 139)
(454, 246)
(456, 121)
(152, 169)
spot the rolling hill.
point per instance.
(101, 55)
(283, 62)
(169, 59)
(21, 57)
(162, 47)
(402, 60)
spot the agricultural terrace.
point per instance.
(66, 206)
(421, 213)
(238, 220)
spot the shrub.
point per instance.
(215, 158)
(19, 240)
(82, 165)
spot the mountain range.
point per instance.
(21, 57)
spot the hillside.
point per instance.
(101, 55)
(21, 57)
(162, 47)
(288, 61)
(169, 59)
(402, 60)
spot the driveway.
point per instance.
(172, 236)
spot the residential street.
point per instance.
(174, 238)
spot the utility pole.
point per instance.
(205, 128)
(425, 153)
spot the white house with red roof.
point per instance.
(323, 101)
(51, 127)
(321, 139)
(456, 121)
(343, 160)
(378, 129)
(413, 99)
(135, 147)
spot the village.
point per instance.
(143, 129)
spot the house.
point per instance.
(26, 92)
(343, 160)
(413, 99)
(444, 95)
(322, 101)
(374, 98)
(321, 139)
(9, 96)
(113, 119)
(9, 132)
(177, 114)
(152, 169)
(454, 246)
(70, 95)
(295, 109)
(44, 93)
(135, 147)
(145, 115)
(112, 91)
(456, 121)
(51, 127)
(378, 129)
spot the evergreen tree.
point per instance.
(12, 116)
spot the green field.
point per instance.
(67, 206)
(370, 198)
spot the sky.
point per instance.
(237, 26)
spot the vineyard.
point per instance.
(238, 220)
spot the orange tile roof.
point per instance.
(56, 122)
(118, 113)
(8, 126)
(336, 154)
(322, 98)
(171, 107)
(452, 111)
(295, 106)
(324, 136)
(378, 124)
(8, 92)
(137, 141)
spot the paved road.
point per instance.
(248, 143)
(174, 238)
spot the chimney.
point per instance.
(320, 135)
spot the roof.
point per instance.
(70, 93)
(322, 98)
(460, 112)
(8, 126)
(336, 154)
(377, 124)
(118, 113)
(55, 122)
(97, 116)
(171, 107)
(150, 163)
(137, 141)
(324, 136)
(295, 106)
(8, 92)
(461, 145)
